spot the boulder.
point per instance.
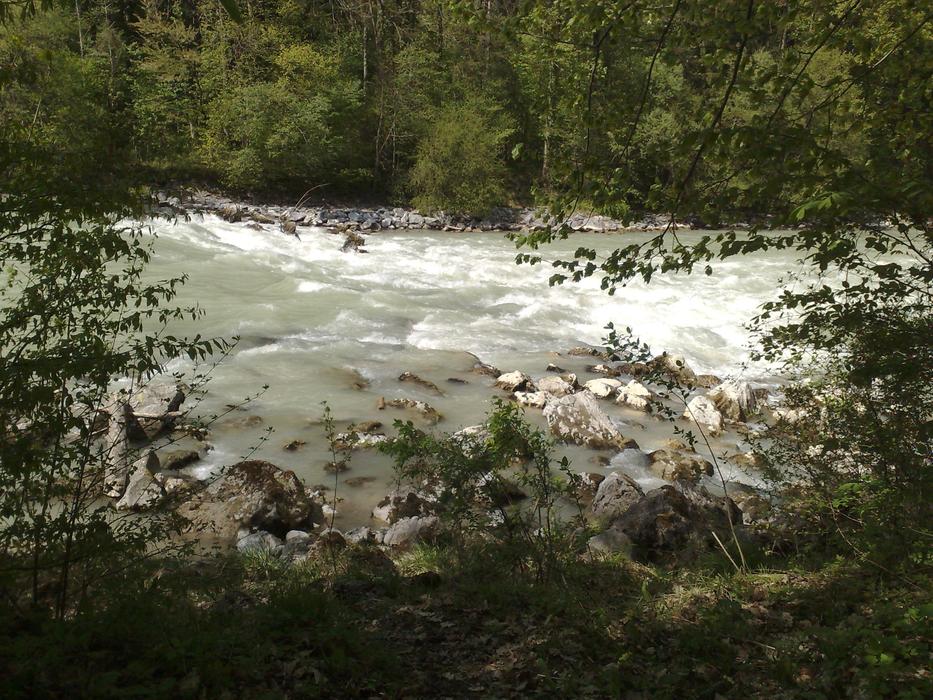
(409, 531)
(363, 535)
(404, 502)
(735, 400)
(615, 495)
(662, 522)
(230, 213)
(704, 412)
(555, 386)
(142, 489)
(636, 395)
(354, 242)
(152, 409)
(177, 459)
(113, 452)
(579, 419)
(707, 381)
(515, 381)
(248, 496)
(532, 399)
(472, 439)
(611, 541)
(674, 465)
(261, 541)
(602, 388)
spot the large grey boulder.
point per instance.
(259, 542)
(668, 521)
(611, 541)
(579, 419)
(615, 495)
(142, 490)
(152, 409)
(532, 399)
(251, 495)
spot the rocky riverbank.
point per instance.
(255, 505)
(342, 218)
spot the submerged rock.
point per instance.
(423, 383)
(579, 419)
(429, 413)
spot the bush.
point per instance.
(460, 164)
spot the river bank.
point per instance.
(391, 218)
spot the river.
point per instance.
(313, 320)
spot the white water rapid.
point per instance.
(312, 319)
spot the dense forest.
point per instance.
(457, 106)
(494, 567)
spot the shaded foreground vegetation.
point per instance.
(816, 113)
(437, 628)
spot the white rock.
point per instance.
(603, 388)
(702, 410)
(532, 399)
(515, 381)
(636, 395)
(579, 419)
(555, 386)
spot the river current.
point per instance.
(317, 324)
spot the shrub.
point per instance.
(460, 165)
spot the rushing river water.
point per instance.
(313, 320)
